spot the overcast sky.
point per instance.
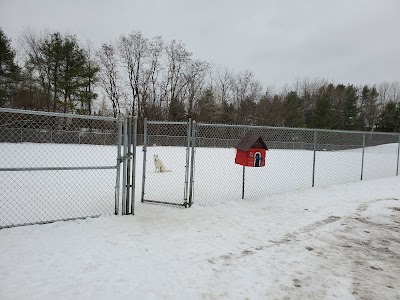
(345, 41)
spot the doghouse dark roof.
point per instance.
(251, 140)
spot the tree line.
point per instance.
(149, 77)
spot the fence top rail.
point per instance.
(296, 129)
(53, 114)
(166, 122)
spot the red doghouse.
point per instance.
(250, 152)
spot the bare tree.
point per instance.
(394, 91)
(194, 74)
(109, 75)
(223, 81)
(133, 52)
(155, 52)
(31, 43)
(177, 58)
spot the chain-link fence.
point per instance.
(297, 159)
(56, 166)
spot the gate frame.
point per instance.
(189, 173)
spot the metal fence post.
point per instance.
(192, 163)
(243, 181)
(128, 163)
(362, 159)
(314, 156)
(117, 185)
(398, 155)
(124, 165)
(134, 144)
(144, 157)
(186, 188)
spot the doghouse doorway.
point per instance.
(257, 159)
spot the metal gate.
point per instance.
(168, 154)
(57, 166)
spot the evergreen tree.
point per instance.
(247, 111)
(9, 71)
(65, 72)
(176, 110)
(206, 107)
(72, 73)
(226, 113)
(338, 100)
(370, 107)
(263, 111)
(389, 118)
(293, 111)
(350, 110)
(89, 78)
(323, 117)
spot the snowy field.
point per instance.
(338, 242)
(28, 197)
(218, 179)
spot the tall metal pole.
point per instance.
(314, 156)
(128, 163)
(124, 166)
(186, 188)
(192, 163)
(134, 144)
(144, 157)
(117, 184)
(362, 159)
(243, 180)
(398, 157)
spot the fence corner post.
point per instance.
(144, 158)
(362, 158)
(119, 144)
(398, 157)
(243, 181)
(189, 137)
(134, 145)
(192, 158)
(314, 156)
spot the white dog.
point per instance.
(158, 164)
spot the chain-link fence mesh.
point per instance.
(218, 178)
(55, 167)
(338, 157)
(380, 156)
(166, 170)
(297, 159)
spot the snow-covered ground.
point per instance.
(284, 241)
(339, 242)
(39, 196)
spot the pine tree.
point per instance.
(323, 117)
(370, 107)
(293, 111)
(247, 111)
(9, 71)
(205, 108)
(350, 110)
(389, 118)
(176, 110)
(226, 113)
(64, 75)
